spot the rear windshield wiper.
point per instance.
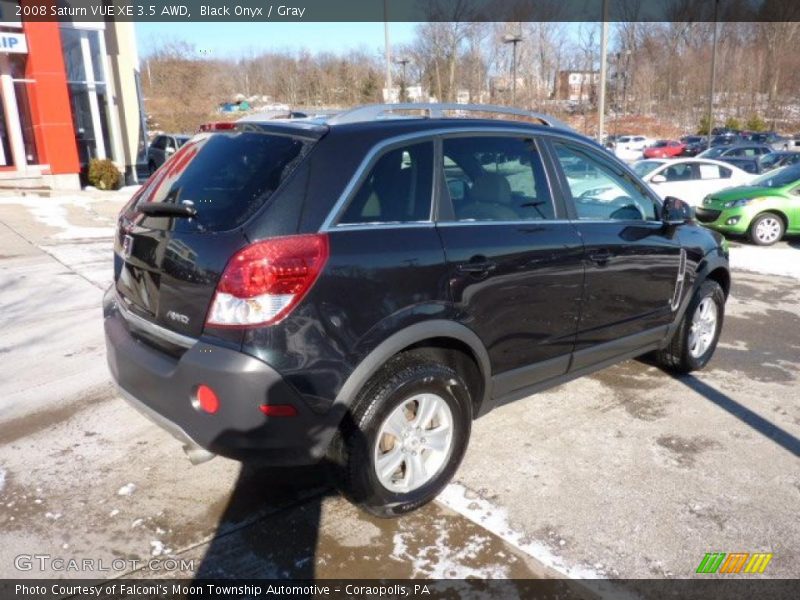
(167, 209)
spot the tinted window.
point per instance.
(160, 142)
(496, 179)
(226, 176)
(398, 188)
(679, 172)
(600, 191)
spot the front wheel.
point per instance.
(693, 343)
(404, 438)
(766, 229)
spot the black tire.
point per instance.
(751, 232)
(351, 455)
(676, 356)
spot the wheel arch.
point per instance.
(446, 341)
(773, 211)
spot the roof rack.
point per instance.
(434, 110)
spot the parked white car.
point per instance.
(690, 179)
(630, 147)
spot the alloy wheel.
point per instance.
(413, 443)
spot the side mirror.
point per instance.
(675, 211)
(658, 179)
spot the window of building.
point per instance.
(84, 59)
(398, 188)
(496, 179)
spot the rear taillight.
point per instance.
(266, 280)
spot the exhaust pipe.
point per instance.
(196, 454)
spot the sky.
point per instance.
(231, 40)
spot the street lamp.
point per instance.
(513, 39)
(713, 76)
(403, 60)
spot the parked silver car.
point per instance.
(162, 147)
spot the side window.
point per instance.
(398, 188)
(725, 173)
(598, 191)
(159, 142)
(679, 172)
(496, 179)
(170, 144)
(709, 171)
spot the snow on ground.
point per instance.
(495, 519)
(52, 211)
(2, 479)
(778, 260)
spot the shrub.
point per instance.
(733, 123)
(756, 123)
(103, 174)
(705, 126)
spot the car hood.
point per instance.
(743, 191)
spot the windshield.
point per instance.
(772, 159)
(714, 152)
(779, 178)
(643, 167)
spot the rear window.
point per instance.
(227, 177)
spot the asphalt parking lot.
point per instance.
(627, 473)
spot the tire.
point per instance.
(362, 438)
(766, 229)
(680, 355)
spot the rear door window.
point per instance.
(397, 189)
(227, 177)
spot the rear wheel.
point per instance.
(766, 229)
(693, 343)
(405, 437)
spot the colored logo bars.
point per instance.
(736, 562)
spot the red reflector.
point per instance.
(278, 410)
(205, 399)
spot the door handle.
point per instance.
(477, 265)
(600, 257)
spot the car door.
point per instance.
(515, 261)
(632, 260)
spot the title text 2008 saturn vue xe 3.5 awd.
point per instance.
(357, 290)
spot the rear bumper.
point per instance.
(162, 386)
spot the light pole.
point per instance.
(388, 52)
(513, 39)
(713, 76)
(403, 60)
(601, 100)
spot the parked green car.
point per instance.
(764, 210)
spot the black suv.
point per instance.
(358, 290)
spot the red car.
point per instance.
(665, 149)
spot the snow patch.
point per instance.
(767, 261)
(442, 559)
(127, 489)
(2, 479)
(157, 548)
(495, 520)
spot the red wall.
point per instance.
(49, 98)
